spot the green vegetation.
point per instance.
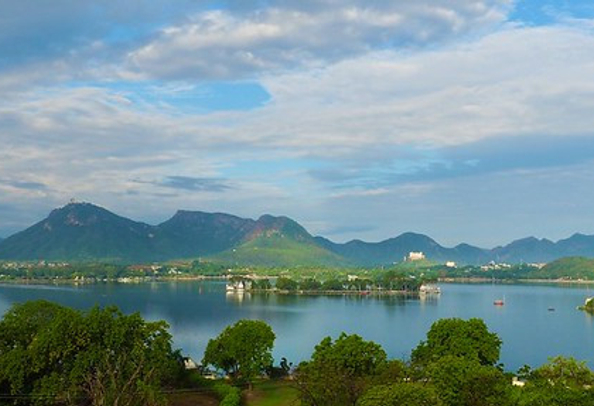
(229, 395)
(588, 305)
(272, 392)
(384, 282)
(243, 351)
(339, 371)
(563, 381)
(52, 354)
(468, 339)
(567, 268)
(455, 366)
(397, 394)
(405, 276)
(278, 250)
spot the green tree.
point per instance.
(465, 382)
(310, 284)
(333, 284)
(340, 371)
(283, 283)
(562, 381)
(469, 339)
(263, 284)
(102, 357)
(360, 284)
(393, 371)
(409, 394)
(243, 351)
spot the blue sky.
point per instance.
(465, 120)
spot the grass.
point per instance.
(192, 399)
(272, 393)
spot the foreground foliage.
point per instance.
(339, 371)
(50, 354)
(243, 351)
(457, 365)
(468, 339)
(54, 355)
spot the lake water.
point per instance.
(199, 310)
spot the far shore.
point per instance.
(330, 292)
(189, 278)
(558, 281)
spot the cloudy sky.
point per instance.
(467, 120)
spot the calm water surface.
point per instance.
(198, 311)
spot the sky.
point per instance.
(467, 120)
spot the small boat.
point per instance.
(551, 309)
(499, 302)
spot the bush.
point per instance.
(229, 395)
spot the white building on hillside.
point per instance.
(414, 256)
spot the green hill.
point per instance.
(278, 250)
(85, 232)
(570, 268)
(82, 232)
(279, 241)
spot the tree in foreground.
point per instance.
(57, 355)
(459, 359)
(339, 371)
(561, 381)
(243, 350)
(469, 339)
(465, 382)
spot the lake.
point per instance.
(199, 310)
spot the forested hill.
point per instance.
(86, 232)
(571, 267)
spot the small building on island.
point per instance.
(239, 285)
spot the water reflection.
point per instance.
(237, 296)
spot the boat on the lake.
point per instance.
(499, 302)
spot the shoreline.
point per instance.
(557, 281)
(363, 293)
(191, 278)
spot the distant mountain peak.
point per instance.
(85, 231)
(269, 226)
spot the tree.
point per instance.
(102, 357)
(333, 284)
(243, 350)
(283, 283)
(469, 339)
(310, 284)
(465, 382)
(562, 381)
(263, 284)
(340, 371)
(409, 394)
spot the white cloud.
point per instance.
(514, 82)
(93, 143)
(230, 45)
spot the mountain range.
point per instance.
(86, 232)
